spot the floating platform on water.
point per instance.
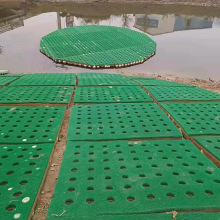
(98, 46)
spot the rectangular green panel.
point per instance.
(46, 79)
(211, 144)
(134, 177)
(22, 170)
(120, 121)
(154, 216)
(164, 93)
(196, 118)
(98, 75)
(30, 124)
(7, 79)
(36, 94)
(107, 94)
(114, 81)
(157, 82)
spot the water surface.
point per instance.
(187, 45)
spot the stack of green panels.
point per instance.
(107, 94)
(129, 178)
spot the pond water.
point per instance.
(187, 45)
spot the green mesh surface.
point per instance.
(107, 94)
(98, 46)
(181, 93)
(120, 177)
(30, 124)
(157, 82)
(36, 94)
(113, 81)
(119, 121)
(46, 79)
(22, 169)
(98, 75)
(6, 79)
(196, 118)
(211, 144)
(155, 216)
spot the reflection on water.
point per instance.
(161, 24)
(184, 53)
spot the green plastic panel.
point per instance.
(46, 79)
(107, 94)
(120, 121)
(114, 81)
(36, 94)
(120, 177)
(211, 144)
(196, 118)
(155, 216)
(138, 78)
(97, 46)
(158, 82)
(4, 80)
(30, 124)
(98, 75)
(22, 169)
(181, 93)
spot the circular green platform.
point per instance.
(98, 46)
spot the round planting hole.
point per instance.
(10, 208)
(209, 193)
(170, 195)
(151, 197)
(90, 188)
(190, 194)
(90, 201)
(110, 199)
(71, 190)
(23, 182)
(130, 198)
(69, 202)
(109, 188)
(17, 194)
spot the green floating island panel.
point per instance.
(158, 82)
(97, 46)
(211, 144)
(120, 177)
(4, 80)
(155, 216)
(46, 79)
(22, 170)
(98, 75)
(36, 94)
(196, 118)
(181, 93)
(120, 121)
(108, 94)
(30, 124)
(110, 81)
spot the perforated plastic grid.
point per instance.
(30, 124)
(98, 75)
(155, 216)
(6, 79)
(181, 93)
(196, 118)
(46, 79)
(113, 81)
(120, 121)
(22, 168)
(122, 177)
(157, 82)
(211, 144)
(36, 94)
(98, 46)
(106, 94)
